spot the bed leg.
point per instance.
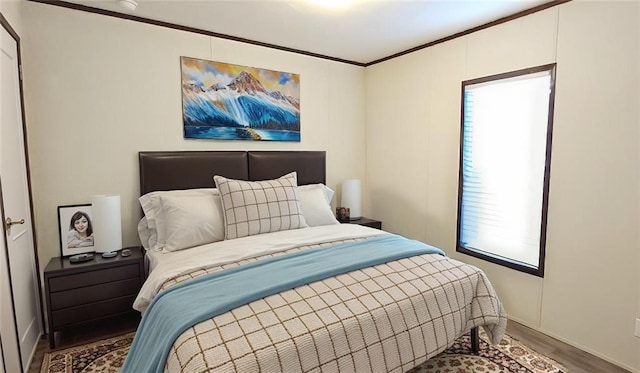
(475, 340)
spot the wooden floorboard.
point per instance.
(575, 360)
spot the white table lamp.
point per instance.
(352, 197)
(107, 225)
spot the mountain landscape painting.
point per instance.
(234, 102)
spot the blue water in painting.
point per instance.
(235, 133)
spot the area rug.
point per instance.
(511, 356)
(508, 356)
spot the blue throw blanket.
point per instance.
(178, 308)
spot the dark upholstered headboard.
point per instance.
(310, 166)
(195, 169)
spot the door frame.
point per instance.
(7, 26)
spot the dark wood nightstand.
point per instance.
(367, 222)
(96, 289)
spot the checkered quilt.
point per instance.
(386, 318)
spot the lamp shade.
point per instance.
(107, 226)
(352, 197)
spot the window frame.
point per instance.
(481, 254)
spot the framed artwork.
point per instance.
(234, 102)
(76, 229)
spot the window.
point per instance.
(505, 153)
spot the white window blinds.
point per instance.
(504, 150)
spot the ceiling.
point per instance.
(361, 32)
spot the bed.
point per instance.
(307, 307)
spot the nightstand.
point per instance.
(367, 222)
(97, 289)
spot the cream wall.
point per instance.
(596, 172)
(100, 89)
(589, 295)
(12, 12)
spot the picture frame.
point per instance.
(76, 229)
(224, 101)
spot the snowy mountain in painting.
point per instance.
(244, 102)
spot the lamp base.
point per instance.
(109, 254)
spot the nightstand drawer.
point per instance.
(92, 311)
(79, 293)
(95, 293)
(100, 276)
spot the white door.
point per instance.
(17, 206)
(8, 336)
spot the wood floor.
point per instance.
(575, 360)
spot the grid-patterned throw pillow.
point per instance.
(255, 207)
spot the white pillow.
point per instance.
(191, 220)
(256, 207)
(145, 233)
(152, 207)
(328, 192)
(315, 200)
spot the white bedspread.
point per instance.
(165, 266)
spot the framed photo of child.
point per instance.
(76, 229)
